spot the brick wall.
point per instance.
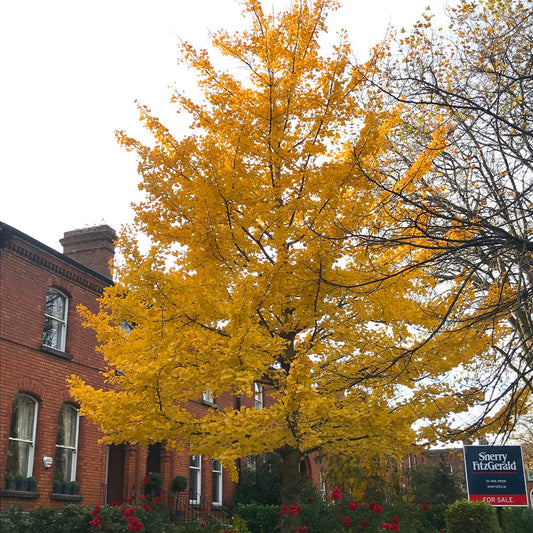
(27, 270)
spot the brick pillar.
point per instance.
(166, 468)
(134, 469)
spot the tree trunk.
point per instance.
(290, 486)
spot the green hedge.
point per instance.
(517, 520)
(471, 517)
(70, 519)
(258, 517)
(461, 517)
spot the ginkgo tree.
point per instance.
(244, 264)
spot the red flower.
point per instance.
(377, 508)
(347, 521)
(135, 525)
(146, 507)
(395, 519)
(162, 496)
(352, 506)
(147, 480)
(309, 500)
(96, 522)
(425, 506)
(385, 525)
(284, 510)
(157, 499)
(395, 527)
(302, 529)
(294, 509)
(364, 523)
(336, 494)
(143, 497)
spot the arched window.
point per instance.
(22, 436)
(55, 320)
(66, 443)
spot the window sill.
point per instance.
(21, 494)
(212, 405)
(65, 497)
(202, 506)
(57, 353)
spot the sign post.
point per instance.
(495, 474)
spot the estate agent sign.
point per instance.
(495, 474)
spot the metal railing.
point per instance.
(193, 507)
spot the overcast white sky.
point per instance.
(70, 71)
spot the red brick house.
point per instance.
(42, 341)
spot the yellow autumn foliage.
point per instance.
(256, 267)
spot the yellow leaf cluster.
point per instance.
(253, 264)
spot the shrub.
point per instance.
(237, 525)
(153, 483)
(517, 520)
(471, 517)
(262, 484)
(45, 520)
(420, 517)
(259, 518)
(435, 484)
(74, 519)
(69, 519)
(15, 521)
(179, 484)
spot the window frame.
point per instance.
(216, 482)
(60, 344)
(32, 442)
(197, 470)
(322, 482)
(207, 397)
(74, 448)
(258, 395)
(251, 463)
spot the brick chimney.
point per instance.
(93, 247)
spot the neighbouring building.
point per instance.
(42, 341)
